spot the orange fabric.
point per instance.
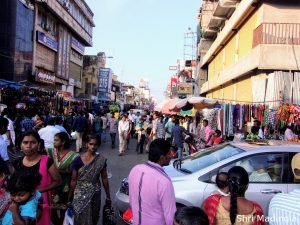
(211, 204)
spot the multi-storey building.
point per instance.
(250, 50)
(43, 41)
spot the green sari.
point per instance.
(60, 194)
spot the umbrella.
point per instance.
(159, 106)
(166, 107)
(177, 105)
(202, 102)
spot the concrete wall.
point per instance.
(281, 13)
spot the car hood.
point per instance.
(172, 172)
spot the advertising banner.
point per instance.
(173, 86)
(45, 77)
(105, 80)
(47, 41)
(185, 88)
(76, 45)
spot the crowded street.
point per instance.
(153, 112)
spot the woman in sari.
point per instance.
(63, 158)
(88, 170)
(34, 162)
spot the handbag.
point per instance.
(108, 215)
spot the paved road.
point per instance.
(120, 166)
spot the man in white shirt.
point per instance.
(123, 129)
(47, 133)
(10, 135)
(3, 146)
(284, 208)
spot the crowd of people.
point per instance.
(42, 178)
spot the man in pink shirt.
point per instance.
(151, 192)
(208, 134)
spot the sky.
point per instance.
(144, 37)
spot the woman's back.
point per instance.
(245, 212)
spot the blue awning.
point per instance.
(12, 84)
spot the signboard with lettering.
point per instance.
(47, 41)
(105, 77)
(45, 77)
(76, 45)
(185, 88)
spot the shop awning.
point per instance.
(196, 102)
(166, 106)
(12, 84)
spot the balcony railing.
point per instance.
(277, 33)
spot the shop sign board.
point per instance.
(47, 41)
(185, 88)
(45, 77)
(76, 45)
(105, 80)
(173, 86)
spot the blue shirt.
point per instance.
(27, 124)
(80, 124)
(177, 133)
(28, 210)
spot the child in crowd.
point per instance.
(190, 216)
(217, 137)
(25, 199)
(4, 196)
(222, 183)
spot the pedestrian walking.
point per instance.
(97, 127)
(177, 134)
(47, 133)
(35, 163)
(123, 130)
(3, 145)
(27, 124)
(151, 192)
(63, 158)
(113, 128)
(104, 127)
(79, 126)
(88, 170)
(140, 130)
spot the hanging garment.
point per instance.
(296, 90)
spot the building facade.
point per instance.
(250, 50)
(46, 42)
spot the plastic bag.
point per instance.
(108, 215)
(69, 217)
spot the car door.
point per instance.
(267, 176)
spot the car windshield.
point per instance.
(208, 157)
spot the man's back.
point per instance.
(285, 208)
(47, 134)
(151, 193)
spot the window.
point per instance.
(263, 168)
(208, 157)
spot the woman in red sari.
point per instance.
(234, 209)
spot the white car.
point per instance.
(269, 169)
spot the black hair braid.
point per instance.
(233, 202)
